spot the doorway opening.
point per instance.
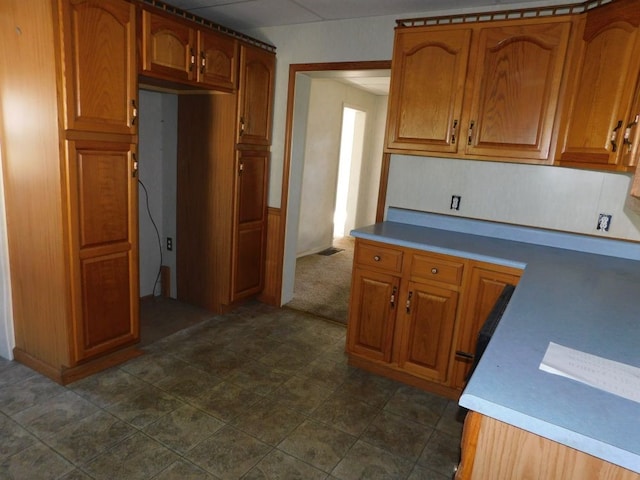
(337, 132)
(351, 147)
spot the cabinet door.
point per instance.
(603, 75)
(168, 47)
(372, 312)
(516, 85)
(217, 60)
(485, 286)
(250, 224)
(104, 204)
(100, 70)
(425, 331)
(427, 88)
(257, 69)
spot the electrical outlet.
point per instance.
(169, 244)
(455, 202)
(604, 222)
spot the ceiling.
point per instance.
(245, 15)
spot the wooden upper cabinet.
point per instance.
(217, 60)
(516, 84)
(485, 92)
(257, 70)
(168, 47)
(427, 89)
(176, 51)
(597, 114)
(100, 69)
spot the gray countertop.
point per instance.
(568, 295)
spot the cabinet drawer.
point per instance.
(379, 256)
(433, 268)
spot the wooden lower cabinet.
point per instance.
(425, 331)
(495, 450)
(485, 284)
(412, 310)
(372, 317)
(104, 201)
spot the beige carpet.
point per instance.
(323, 283)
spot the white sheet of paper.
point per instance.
(613, 377)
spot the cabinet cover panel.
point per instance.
(607, 68)
(249, 242)
(427, 88)
(252, 192)
(104, 245)
(516, 89)
(249, 261)
(257, 71)
(168, 47)
(428, 331)
(106, 302)
(218, 61)
(103, 195)
(372, 314)
(485, 286)
(100, 62)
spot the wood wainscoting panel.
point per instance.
(272, 291)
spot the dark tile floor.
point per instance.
(259, 393)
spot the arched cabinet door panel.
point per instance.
(100, 70)
(168, 47)
(516, 87)
(598, 126)
(257, 70)
(427, 89)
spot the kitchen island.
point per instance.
(576, 291)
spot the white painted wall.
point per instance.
(551, 197)
(539, 196)
(157, 170)
(327, 98)
(370, 176)
(7, 338)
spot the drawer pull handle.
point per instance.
(408, 304)
(377, 258)
(434, 270)
(614, 136)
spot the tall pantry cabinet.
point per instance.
(223, 158)
(69, 91)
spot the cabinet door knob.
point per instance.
(376, 258)
(434, 270)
